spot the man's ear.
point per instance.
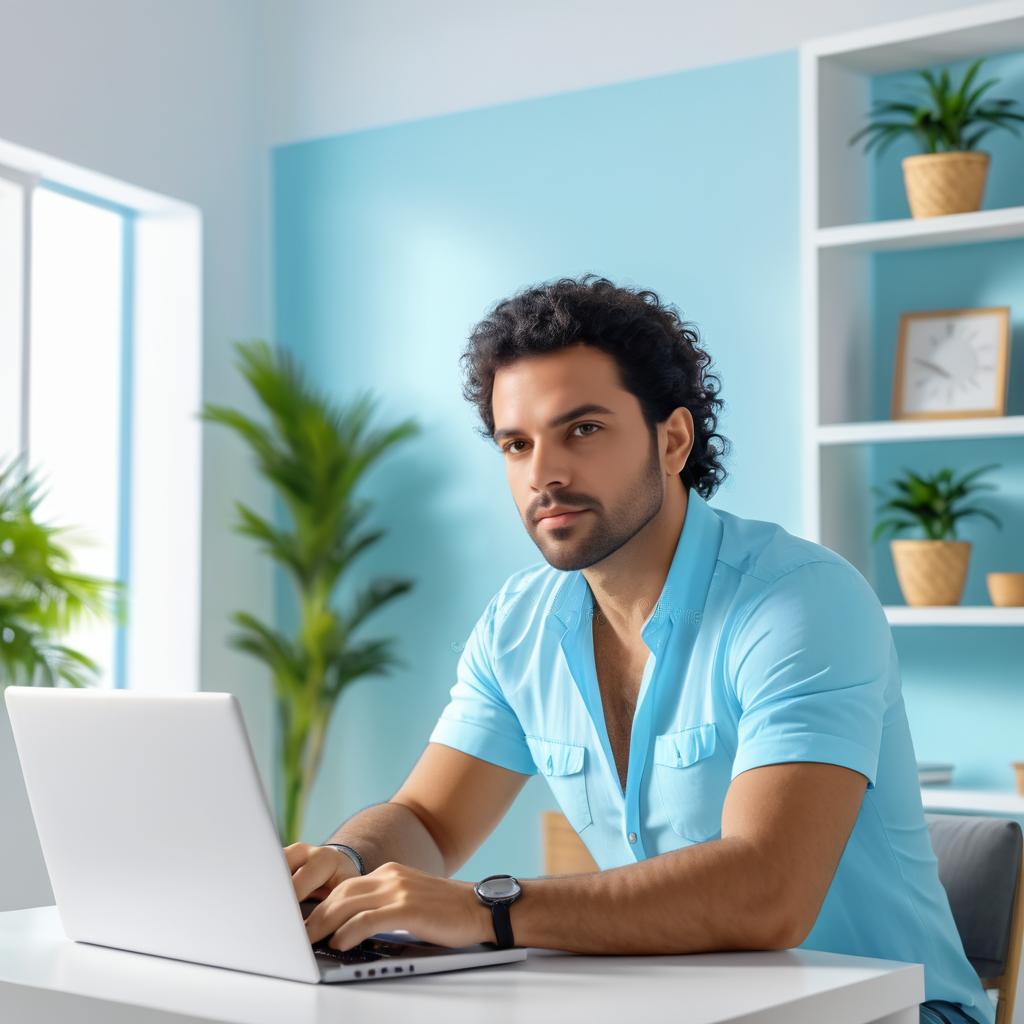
(678, 441)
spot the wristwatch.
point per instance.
(350, 853)
(499, 892)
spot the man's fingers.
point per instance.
(297, 854)
(333, 912)
(362, 925)
(310, 877)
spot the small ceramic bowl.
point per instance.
(1006, 588)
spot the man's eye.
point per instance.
(508, 447)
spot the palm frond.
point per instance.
(314, 452)
(42, 596)
(254, 637)
(935, 503)
(373, 597)
(946, 118)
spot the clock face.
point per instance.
(951, 364)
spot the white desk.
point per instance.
(46, 977)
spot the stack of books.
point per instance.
(931, 772)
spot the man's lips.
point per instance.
(563, 519)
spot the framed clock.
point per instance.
(952, 363)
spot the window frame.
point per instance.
(160, 452)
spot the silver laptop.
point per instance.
(158, 838)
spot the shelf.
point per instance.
(952, 229)
(972, 801)
(935, 38)
(954, 615)
(888, 431)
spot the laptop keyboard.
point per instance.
(369, 950)
(364, 952)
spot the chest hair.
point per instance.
(619, 671)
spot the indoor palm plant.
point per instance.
(41, 596)
(949, 174)
(931, 571)
(313, 453)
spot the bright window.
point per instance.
(67, 405)
(12, 250)
(76, 388)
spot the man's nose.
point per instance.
(549, 468)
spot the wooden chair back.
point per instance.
(564, 851)
(1006, 983)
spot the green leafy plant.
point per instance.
(934, 504)
(313, 453)
(944, 119)
(41, 596)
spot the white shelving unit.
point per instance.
(838, 238)
(920, 430)
(998, 804)
(954, 229)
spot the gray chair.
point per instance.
(980, 863)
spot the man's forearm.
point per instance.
(390, 832)
(712, 896)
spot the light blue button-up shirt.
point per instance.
(765, 648)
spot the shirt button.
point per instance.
(632, 837)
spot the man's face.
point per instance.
(605, 462)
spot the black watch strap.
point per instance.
(502, 925)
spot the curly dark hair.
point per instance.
(658, 355)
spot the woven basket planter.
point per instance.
(1006, 589)
(941, 183)
(931, 572)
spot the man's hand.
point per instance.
(396, 896)
(317, 870)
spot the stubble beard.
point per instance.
(606, 534)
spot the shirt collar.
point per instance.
(685, 589)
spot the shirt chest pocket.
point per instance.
(691, 777)
(562, 764)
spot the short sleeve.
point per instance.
(810, 665)
(477, 719)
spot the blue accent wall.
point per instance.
(389, 244)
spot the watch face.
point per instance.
(499, 888)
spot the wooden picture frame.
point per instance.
(994, 386)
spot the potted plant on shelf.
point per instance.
(949, 174)
(313, 452)
(41, 596)
(931, 571)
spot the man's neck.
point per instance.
(626, 585)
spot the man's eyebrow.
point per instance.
(580, 410)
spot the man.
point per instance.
(715, 702)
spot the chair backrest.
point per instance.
(979, 865)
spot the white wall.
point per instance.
(165, 95)
(337, 67)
